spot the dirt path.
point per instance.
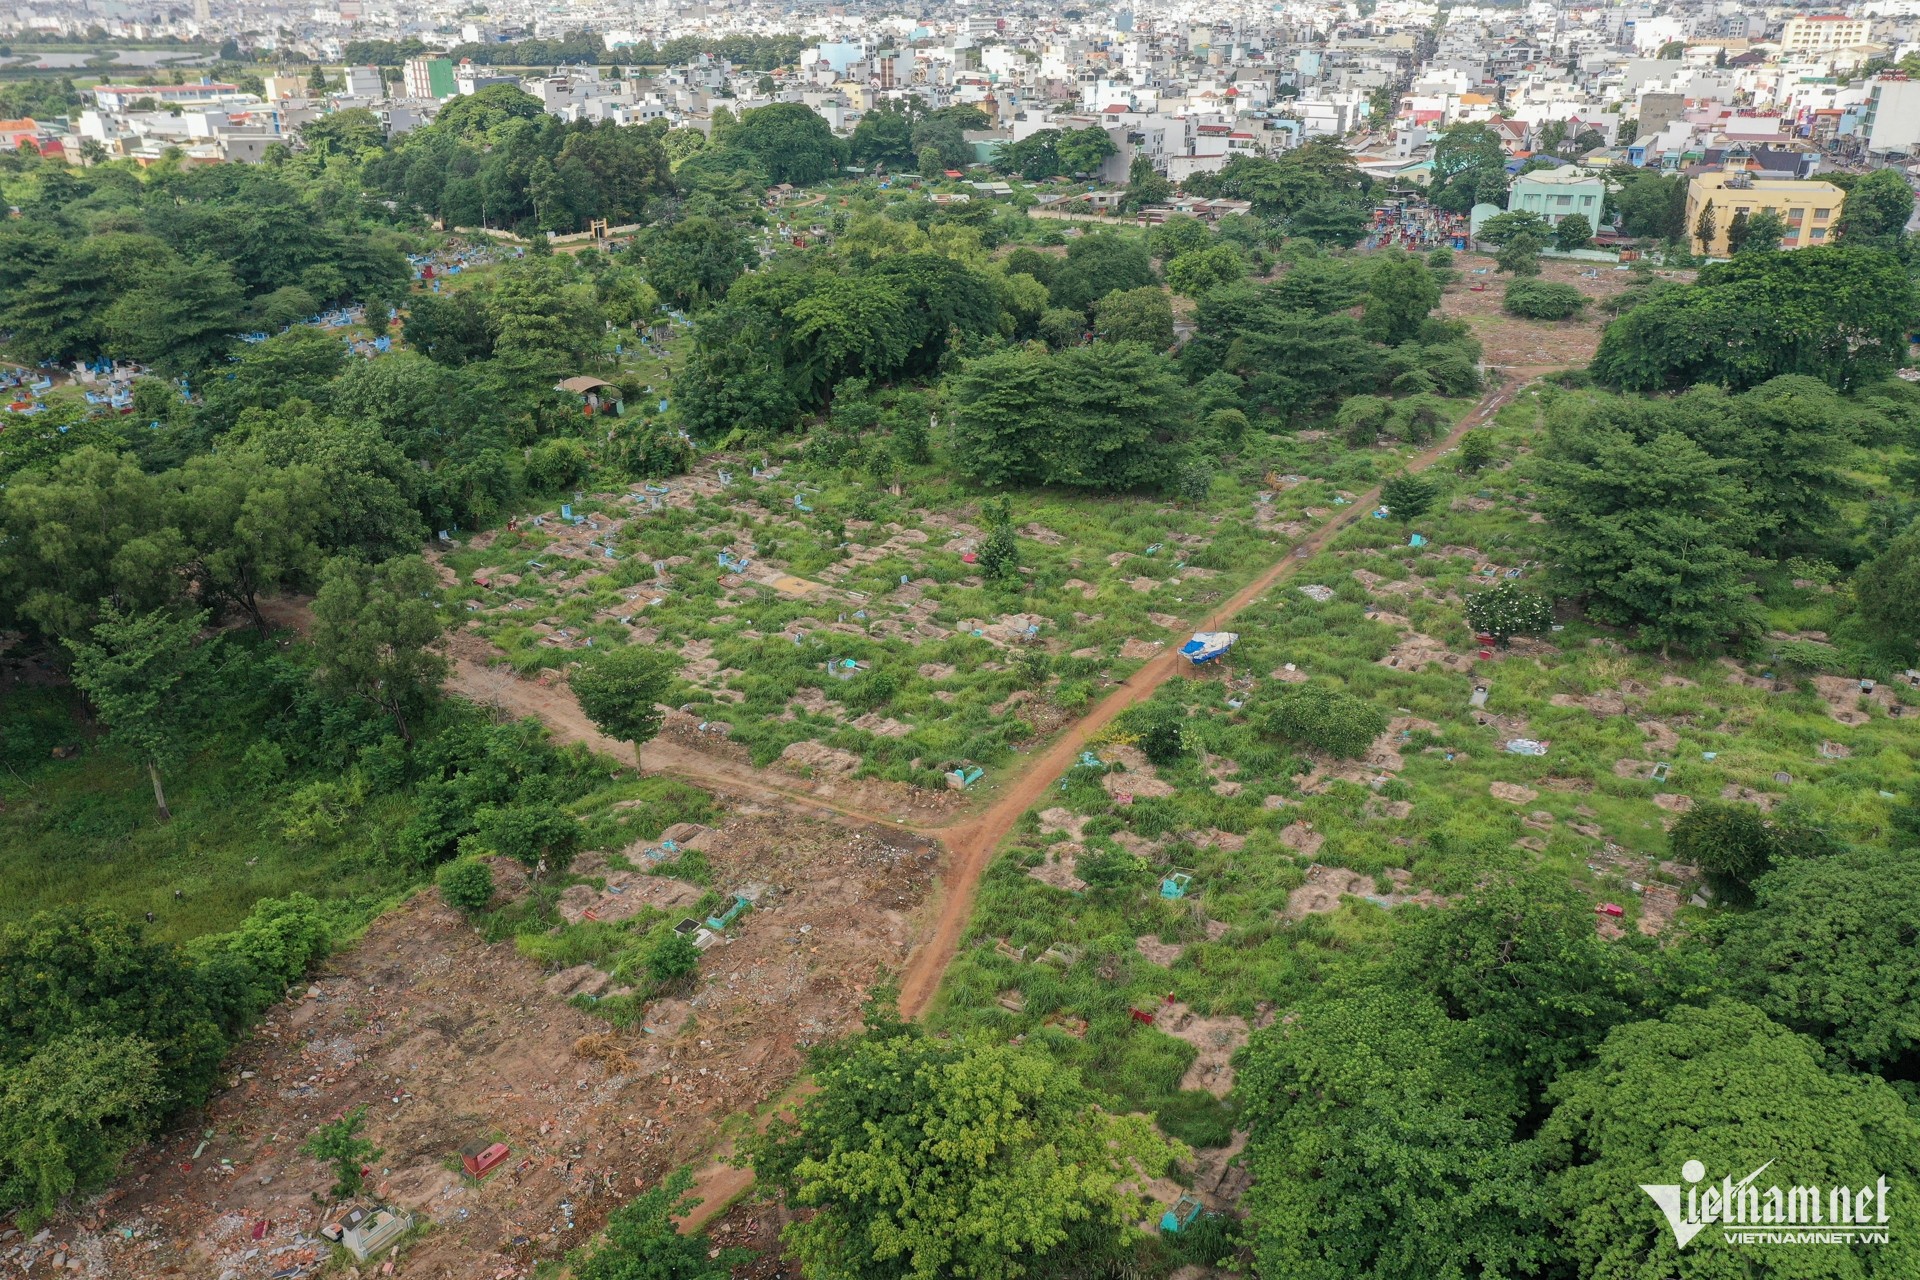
(498, 686)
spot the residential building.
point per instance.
(429, 78)
(1808, 208)
(362, 82)
(1821, 32)
(119, 97)
(1555, 193)
(1891, 121)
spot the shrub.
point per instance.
(1543, 300)
(1161, 729)
(1109, 869)
(1732, 844)
(556, 464)
(1508, 610)
(340, 1145)
(671, 955)
(1476, 451)
(466, 884)
(1408, 497)
(1320, 716)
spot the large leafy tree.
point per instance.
(92, 528)
(180, 320)
(1135, 315)
(1469, 167)
(691, 262)
(1197, 271)
(373, 628)
(368, 481)
(884, 136)
(1517, 960)
(249, 527)
(1887, 592)
(622, 689)
(1728, 1087)
(1876, 210)
(940, 136)
(145, 675)
(1788, 442)
(925, 1158)
(1651, 206)
(1296, 363)
(1083, 150)
(1382, 1144)
(56, 310)
(1837, 313)
(1651, 533)
(1328, 220)
(488, 115)
(1829, 950)
(1400, 293)
(449, 331)
(791, 142)
(1098, 264)
(1108, 417)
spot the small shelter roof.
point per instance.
(583, 384)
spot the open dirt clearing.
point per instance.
(1509, 340)
(450, 1041)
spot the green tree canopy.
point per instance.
(1143, 315)
(924, 1158)
(1400, 294)
(1382, 1144)
(145, 673)
(1887, 592)
(791, 142)
(1876, 210)
(1725, 1086)
(1096, 265)
(1828, 950)
(373, 628)
(1651, 533)
(1320, 716)
(1198, 270)
(93, 527)
(1111, 417)
(1837, 313)
(621, 690)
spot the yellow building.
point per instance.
(1809, 208)
(1822, 32)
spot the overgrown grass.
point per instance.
(83, 832)
(1134, 563)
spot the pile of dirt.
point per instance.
(1324, 888)
(803, 757)
(1216, 1039)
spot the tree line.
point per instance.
(585, 48)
